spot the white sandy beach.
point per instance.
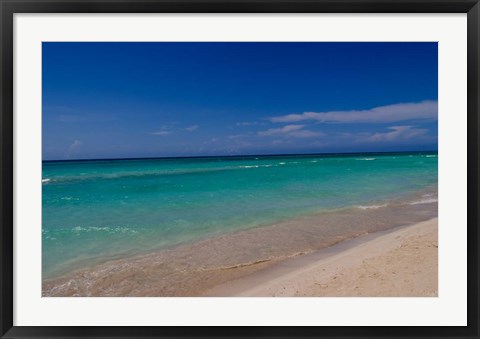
(402, 262)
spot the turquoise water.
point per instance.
(98, 210)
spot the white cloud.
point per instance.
(247, 123)
(162, 133)
(304, 134)
(210, 141)
(191, 128)
(398, 133)
(281, 130)
(74, 147)
(425, 110)
(289, 131)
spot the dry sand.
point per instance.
(400, 262)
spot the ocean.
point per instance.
(99, 210)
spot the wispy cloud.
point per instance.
(236, 136)
(281, 141)
(162, 133)
(170, 128)
(74, 147)
(211, 141)
(164, 130)
(398, 133)
(425, 110)
(289, 131)
(249, 123)
(304, 134)
(281, 130)
(191, 128)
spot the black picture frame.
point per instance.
(9, 7)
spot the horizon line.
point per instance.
(235, 156)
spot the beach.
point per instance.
(385, 264)
(308, 256)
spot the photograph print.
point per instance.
(239, 169)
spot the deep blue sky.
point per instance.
(117, 100)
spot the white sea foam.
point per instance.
(281, 163)
(79, 229)
(423, 201)
(45, 180)
(370, 207)
(430, 156)
(366, 159)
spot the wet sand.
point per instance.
(398, 263)
(205, 267)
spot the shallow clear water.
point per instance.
(96, 210)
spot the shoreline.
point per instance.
(424, 196)
(195, 268)
(381, 264)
